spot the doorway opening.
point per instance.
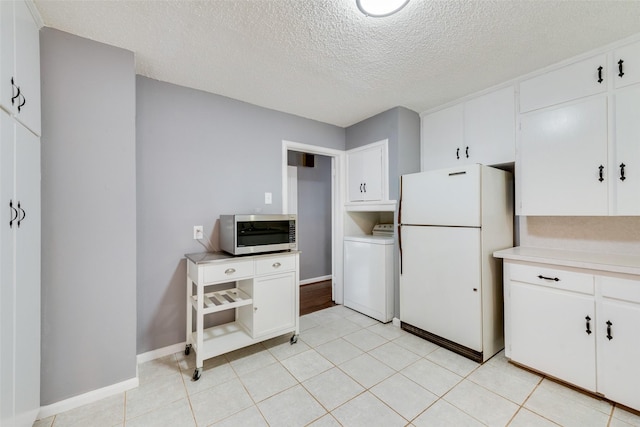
(291, 203)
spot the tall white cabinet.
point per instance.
(19, 216)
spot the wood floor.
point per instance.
(315, 296)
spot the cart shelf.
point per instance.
(222, 300)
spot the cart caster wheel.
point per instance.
(197, 374)
(294, 339)
(187, 349)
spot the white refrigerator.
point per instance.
(451, 221)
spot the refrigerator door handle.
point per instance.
(400, 204)
(400, 225)
(400, 245)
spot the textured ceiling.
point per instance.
(324, 60)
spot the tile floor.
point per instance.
(346, 369)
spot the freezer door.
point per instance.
(442, 197)
(440, 288)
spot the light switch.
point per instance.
(267, 198)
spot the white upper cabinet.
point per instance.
(577, 80)
(626, 63)
(579, 132)
(490, 127)
(7, 63)
(563, 160)
(481, 130)
(442, 138)
(366, 171)
(20, 65)
(625, 172)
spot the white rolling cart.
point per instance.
(266, 300)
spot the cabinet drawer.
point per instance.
(228, 271)
(553, 278)
(621, 289)
(573, 81)
(275, 264)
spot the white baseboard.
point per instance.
(160, 352)
(86, 398)
(396, 322)
(315, 279)
(95, 395)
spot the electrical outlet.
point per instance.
(267, 198)
(198, 232)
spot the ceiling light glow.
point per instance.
(380, 8)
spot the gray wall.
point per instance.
(200, 155)
(88, 216)
(314, 218)
(401, 127)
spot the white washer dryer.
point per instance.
(368, 275)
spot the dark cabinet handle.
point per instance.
(555, 279)
(14, 211)
(24, 214)
(600, 74)
(466, 152)
(620, 72)
(365, 187)
(609, 336)
(601, 169)
(17, 93)
(24, 101)
(588, 319)
(457, 153)
(622, 177)
(361, 187)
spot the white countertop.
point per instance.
(213, 257)
(615, 263)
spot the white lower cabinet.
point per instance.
(265, 300)
(273, 306)
(577, 325)
(617, 340)
(549, 332)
